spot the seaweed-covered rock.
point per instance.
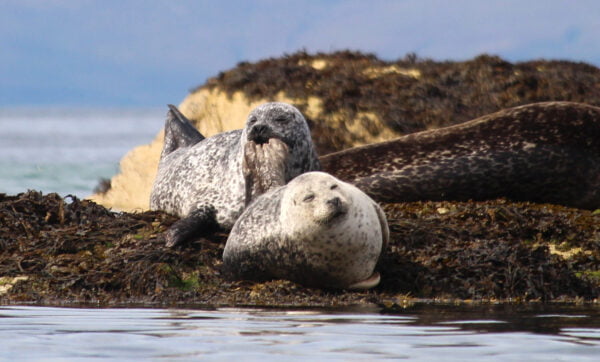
(352, 99)
(57, 251)
(337, 90)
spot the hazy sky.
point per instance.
(150, 52)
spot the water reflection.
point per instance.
(422, 332)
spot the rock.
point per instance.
(352, 99)
(130, 188)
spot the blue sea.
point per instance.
(69, 150)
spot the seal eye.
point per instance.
(252, 120)
(281, 119)
(333, 187)
(308, 198)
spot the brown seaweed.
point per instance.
(410, 94)
(59, 251)
(56, 250)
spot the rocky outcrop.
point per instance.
(353, 99)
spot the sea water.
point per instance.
(69, 150)
(421, 332)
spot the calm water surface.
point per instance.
(422, 332)
(69, 150)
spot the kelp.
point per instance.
(56, 250)
(409, 94)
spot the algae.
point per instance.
(77, 251)
(409, 94)
(74, 250)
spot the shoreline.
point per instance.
(71, 251)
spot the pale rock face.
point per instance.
(130, 188)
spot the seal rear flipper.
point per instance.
(179, 132)
(199, 222)
(368, 283)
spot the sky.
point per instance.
(151, 52)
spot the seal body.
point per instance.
(208, 173)
(200, 176)
(543, 152)
(316, 230)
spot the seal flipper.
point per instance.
(368, 283)
(201, 221)
(179, 132)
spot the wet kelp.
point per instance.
(494, 249)
(55, 250)
(409, 94)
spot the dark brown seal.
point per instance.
(543, 152)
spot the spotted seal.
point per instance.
(316, 230)
(204, 181)
(542, 152)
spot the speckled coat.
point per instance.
(543, 152)
(194, 172)
(289, 233)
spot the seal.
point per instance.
(316, 230)
(543, 152)
(207, 182)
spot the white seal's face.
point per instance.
(313, 200)
(275, 120)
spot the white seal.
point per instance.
(316, 230)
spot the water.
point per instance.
(499, 333)
(69, 150)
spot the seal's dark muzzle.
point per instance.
(260, 134)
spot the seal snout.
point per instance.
(336, 208)
(335, 203)
(260, 134)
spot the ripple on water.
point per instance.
(252, 334)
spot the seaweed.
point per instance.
(410, 94)
(57, 250)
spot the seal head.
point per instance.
(282, 122)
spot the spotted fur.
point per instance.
(544, 152)
(316, 230)
(197, 173)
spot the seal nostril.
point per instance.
(260, 134)
(336, 202)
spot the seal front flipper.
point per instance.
(264, 167)
(199, 222)
(179, 132)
